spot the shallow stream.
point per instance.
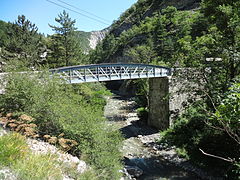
(121, 113)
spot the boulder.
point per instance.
(12, 125)
(61, 135)
(29, 132)
(67, 144)
(52, 140)
(26, 118)
(46, 137)
(21, 128)
(134, 171)
(63, 143)
(3, 121)
(9, 115)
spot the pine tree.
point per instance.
(64, 45)
(25, 41)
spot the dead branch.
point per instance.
(218, 157)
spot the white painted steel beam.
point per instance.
(108, 72)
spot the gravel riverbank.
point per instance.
(144, 159)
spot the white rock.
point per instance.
(7, 174)
(40, 147)
(82, 167)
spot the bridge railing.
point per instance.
(109, 72)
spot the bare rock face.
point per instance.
(96, 37)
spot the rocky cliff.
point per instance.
(96, 37)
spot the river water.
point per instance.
(121, 113)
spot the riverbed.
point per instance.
(141, 159)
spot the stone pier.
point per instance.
(159, 103)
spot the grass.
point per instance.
(38, 167)
(12, 146)
(15, 154)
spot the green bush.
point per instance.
(12, 146)
(191, 132)
(142, 113)
(76, 111)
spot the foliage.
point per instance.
(206, 39)
(22, 47)
(76, 111)
(227, 114)
(65, 49)
(12, 146)
(3, 33)
(38, 167)
(16, 155)
(191, 133)
(25, 41)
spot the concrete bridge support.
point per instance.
(159, 103)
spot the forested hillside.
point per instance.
(23, 47)
(203, 36)
(136, 27)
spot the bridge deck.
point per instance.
(109, 72)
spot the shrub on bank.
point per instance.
(76, 111)
(192, 132)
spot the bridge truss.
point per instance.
(109, 72)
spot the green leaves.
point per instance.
(64, 45)
(228, 112)
(75, 110)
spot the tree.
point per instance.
(225, 16)
(64, 46)
(25, 41)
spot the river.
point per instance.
(138, 146)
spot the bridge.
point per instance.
(109, 72)
(163, 98)
(158, 83)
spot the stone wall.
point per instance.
(168, 97)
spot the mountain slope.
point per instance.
(137, 26)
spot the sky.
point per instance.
(44, 12)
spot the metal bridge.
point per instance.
(109, 72)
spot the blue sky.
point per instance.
(42, 12)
